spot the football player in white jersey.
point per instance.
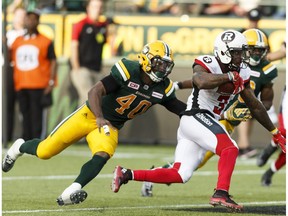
(199, 130)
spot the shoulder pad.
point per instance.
(268, 67)
(120, 71)
(209, 63)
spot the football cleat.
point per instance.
(247, 153)
(223, 198)
(265, 155)
(75, 197)
(11, 156)
(266, 179)
(146, 190)
(121, 176)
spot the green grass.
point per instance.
(27, 190)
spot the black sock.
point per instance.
(90, 170)
(128, 174)
(30, 147)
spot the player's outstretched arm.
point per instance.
(185, 84)
(277, 55)
(259, 112)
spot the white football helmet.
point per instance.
(230, 48)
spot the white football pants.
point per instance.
(197, 134)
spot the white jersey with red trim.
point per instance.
(210, 99)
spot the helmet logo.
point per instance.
(228, 37)
(145, 49)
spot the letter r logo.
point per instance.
(228, 36)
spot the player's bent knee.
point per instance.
(44, 156)
(185, 175)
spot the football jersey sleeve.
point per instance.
(76, 30)
(120, 71)
(209, 63)
(169, 90)
(270, 71)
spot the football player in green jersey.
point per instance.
(261, 81)
(130, 90)
(263, 74)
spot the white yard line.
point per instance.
(197, 173)
(133, 207)
(166, 157)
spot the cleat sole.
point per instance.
(78, 196)
(75, 198)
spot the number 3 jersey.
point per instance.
(210, 99)
(133, 97)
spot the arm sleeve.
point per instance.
(76, 29)
(174, 105)
(51, 52)
(110, 84)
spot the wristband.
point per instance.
(275, 131)
(176, 85)
(51, 82)
(106, 130)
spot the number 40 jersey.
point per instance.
(133, 97)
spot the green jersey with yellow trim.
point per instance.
(263, 73)
(133, 97)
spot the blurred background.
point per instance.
(188, 26)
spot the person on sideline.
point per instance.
(130, 90)
(16, 31)
(199, 130)
(34, 63)
(88, 38)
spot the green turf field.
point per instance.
(32, 186)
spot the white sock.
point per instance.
(14, 151)
(73, 187)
